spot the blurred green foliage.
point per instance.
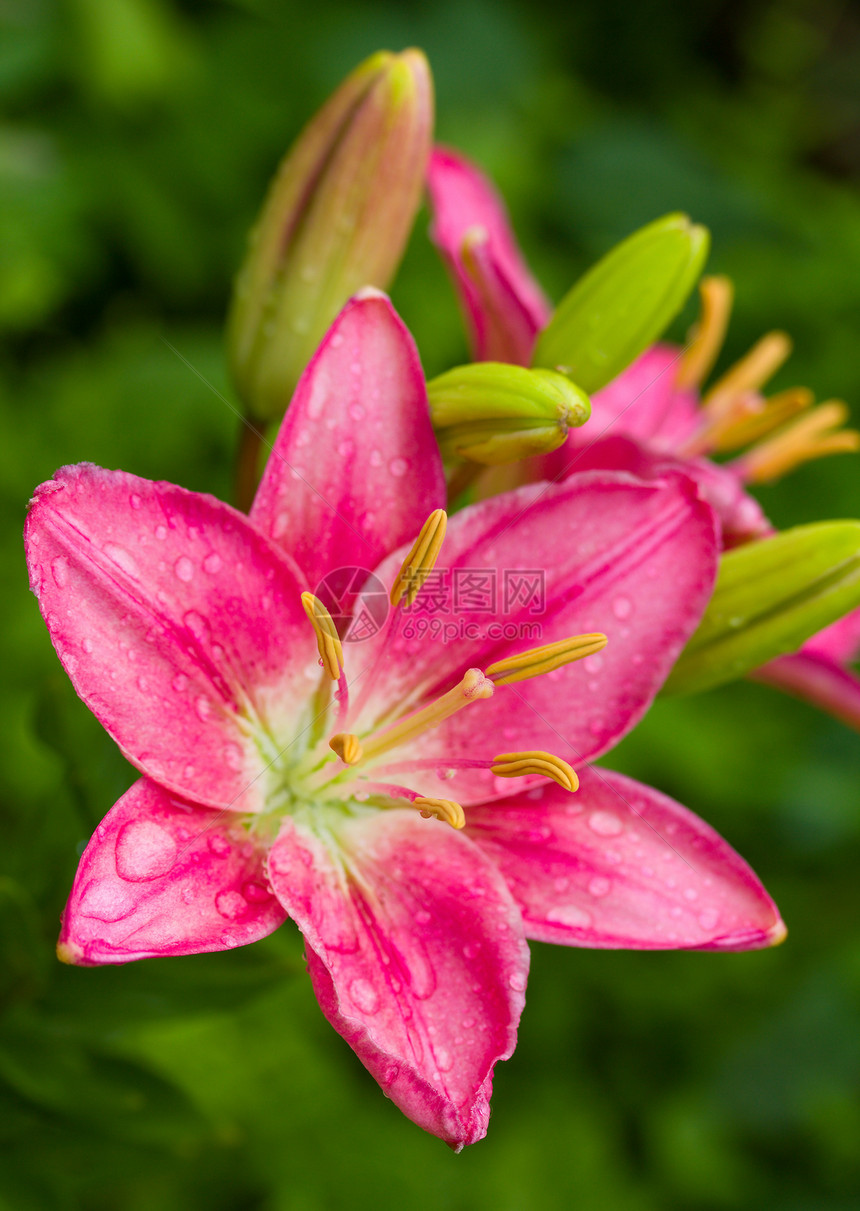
(136, 140)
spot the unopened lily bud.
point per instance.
(625, 302)
(336, 218)
(770, 597)
(492, 412)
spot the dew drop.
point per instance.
(203, 707)
(605, 824)
(121, 557)
(336, 340)
(233, 757)
(622, 608)
(570, 916)
(470, 950)
(356, 411)
(187, 894)
(690, 894)
(422, 917)
(593, 664)
(60, 571)
(184, 568)
(180, 683)
(398, 467)
(87, 645)
(709, 918)
(375, 458)
(675, 912)
(144, 850)
(106, 901)
(231, 904)
(212, 563)
(517, 981)
(255, 893)
(161, 533)
(134, 500)
(218, 845)
(364, 996)
(599, 886)
(443, 1059)
(345, 448)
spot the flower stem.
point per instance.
(247, 465)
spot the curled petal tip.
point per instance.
(70, 953)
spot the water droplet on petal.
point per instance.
(180, 683)
(570, 916)
(60, 571)
(622, 607)
(593, 664)
(218, 845)
(690, 894)
(121, 557)
(144, 850)
(605, 824)
(398, 467)
(184, 568)
(375, 458)
(599, 886)
(443, 1059)
(212, 563)
(256, 893)
(709, 918)
(106, 901)
(87, 645)
(233, 756)
(517, 981)
(203, 707)
(231, 904)
(161, 533)
(422, 917)
(134, 500)
(364, 996)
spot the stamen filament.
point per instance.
(716, 294)
(473, 687)
(420, 561)
(328, 640)
(750, 373)
(519, 765)
(759, 422)
(812, 436)
(545, 659)
(347, 746)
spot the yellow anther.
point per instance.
(520, 765)
(544, 659)
(707, 338)
(473, 687)
(812, 436)
(750, 373)
(420, 561)
(442, 809)
(328, 641)
(347, 747)
(752, 423)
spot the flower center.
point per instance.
(344, 769)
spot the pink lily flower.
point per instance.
(650, 420)
(272, 787)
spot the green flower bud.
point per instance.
(770, 597)
(337, 217)
(625, 302)
(492, 412)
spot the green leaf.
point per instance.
(770, 597)
(624, 302)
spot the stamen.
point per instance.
(518, 765)
(420, 561)
(750, 373)
(544, 659)
(735, 433)
(812, 436)
(442, 809)
(707, 338)
(473, 687)
(347, 746)
(328, 641)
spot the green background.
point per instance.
(136, 139)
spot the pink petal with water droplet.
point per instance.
(176, 621)
(604, 553)
(620, 865)
(355, 470)
(503, 304)
(416, 953)
(164, 877)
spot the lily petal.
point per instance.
(840, 641)
(503, 304)
(417, 956)
(180, 625)
(620, 865)
(164, 877)
(816, 679)
(604, 552)
(355, 470)
(741, 517)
